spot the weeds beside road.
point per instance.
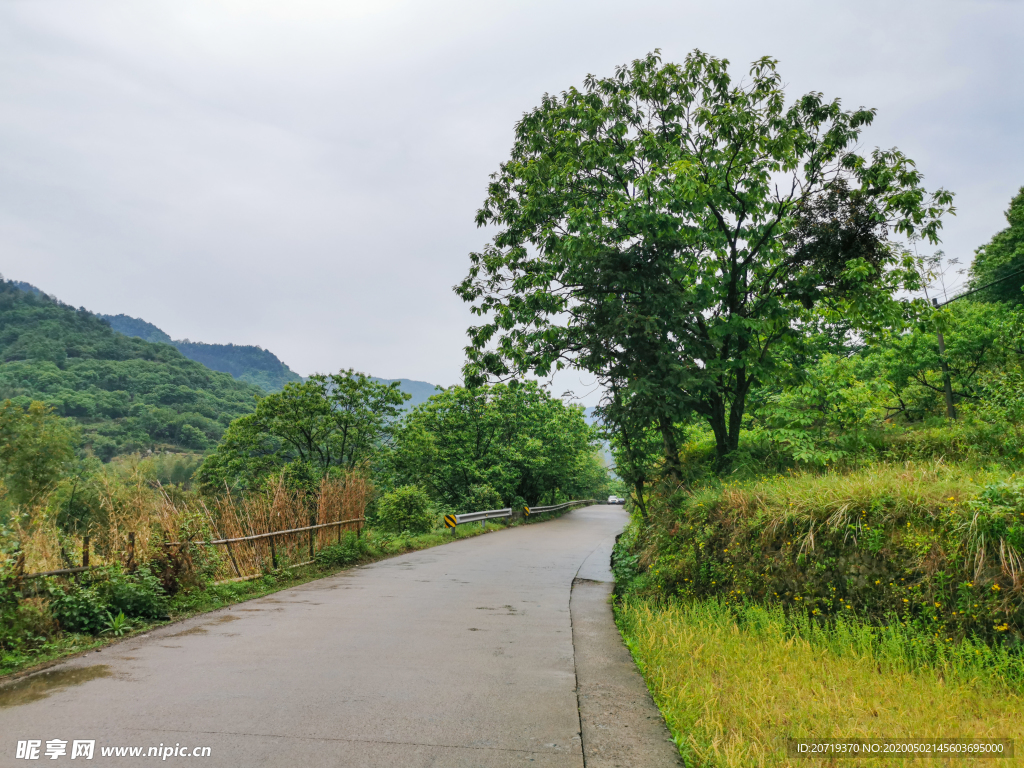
(370, 547)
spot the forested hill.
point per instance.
(254, 365)
(126, 393)
(134, 326)
(419, 391)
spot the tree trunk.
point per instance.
(671, 447)
(638, 488)
(727, 429)
(716, 419)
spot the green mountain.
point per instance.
(133, 326)
(126, 393)
(420, 390)
(254, 365)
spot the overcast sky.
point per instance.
(303, 175)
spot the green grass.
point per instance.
(934, 545)
(735, 681)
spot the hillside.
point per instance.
(420, 391)
(251, 364)
(126, 393)
(134, 326)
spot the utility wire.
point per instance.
(981, 288)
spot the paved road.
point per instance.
(460, 655)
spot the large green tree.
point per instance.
(673, 232)
(306, 430)
(471, 448)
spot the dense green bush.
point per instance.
(139, 595)
(79, 609)
(483, 497)
(407, 508)
(350, 550)
(110, 592)
(936, 547)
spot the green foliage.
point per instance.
(351, 550)
(337, 421)
(138, 595)
(133, 326)
(250, 364)
(830, 417)
(125, 393)
(117, 626)
(88, 608)
(637, 445)
(36, 448)
(672, 232)
(407, 508)
(514, 439)
(932, 548)
(483, 497)
(79, 609)
(1001, 257)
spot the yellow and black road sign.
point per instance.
(450, 521)
(526, 511)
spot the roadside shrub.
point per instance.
(190, 564)
(79, 609)
(350, 550)
(407, 508)
(138, 595)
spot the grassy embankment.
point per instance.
(882, 602)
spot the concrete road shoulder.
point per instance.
(621, 725)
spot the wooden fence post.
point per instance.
(85, 551)
(130, 564)
(273, 553)
(233, 562)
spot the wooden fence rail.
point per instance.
(227, 542)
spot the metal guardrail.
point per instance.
(552, 507)
(487, 514)
(450, 521)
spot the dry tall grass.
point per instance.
(132, 504)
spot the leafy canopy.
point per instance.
(670, 231)
(488, 447)
(306, 430)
